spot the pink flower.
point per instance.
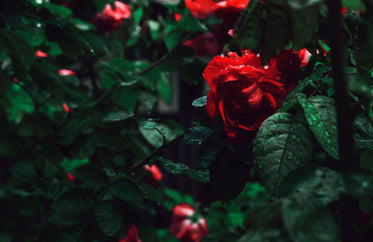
(183, 228)
(200, 9)
(66, 72)
(132, 235)
(109, 19)
(41, 54)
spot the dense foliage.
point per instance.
(264, 106)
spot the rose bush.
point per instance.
(182, 226)
(245, 92)
(109, 19)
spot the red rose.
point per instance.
(182, 226)
(200, 9)
(204, 44)
(155, 175)
(109, 19)
(132, 235)
(70, 176)
(229, 10)
(343, 10)
(245, 93)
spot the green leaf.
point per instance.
(197, 134)
(70, 165)
(308, 221)
(366, 160)
(125, 97)
(200, 102)
(363, 132)
(66, 219)
(322, 119)
(305, 25)
(16, 46)
(282, 144)
(24, 171)
(59, 10)
(74, 201)
(109, 217)
(18, 103)
(354, 4)
(180, 169)
(164, 87)
(319, 184)
(116, 116)
(303, 85)
(172, 38)
(92, 175)
(162, 132)
(264, 235)
(300, 4)
(127, 191)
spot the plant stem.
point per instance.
(346, 164)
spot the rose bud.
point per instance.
(182, 226)
(155, 175)
(132, 235)
(109, 19)
(41, 54)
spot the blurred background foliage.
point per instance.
(73, 147)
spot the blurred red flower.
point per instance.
(66, 72)
(200, 9)
(177, 17)
(204, 44)
(155, 175)
(109, 19)
(41, 54)
(229, 10)
(343, 10)
(132, 235)
(245, 93)
(182, 226)
(67, 109)
(70, 176)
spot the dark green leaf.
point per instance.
(305, 25)
(321, 116)
(108, 217)
(125, 98)
(354, 4)
(164, 87)
(172, 39)
(74, 201)
(116, 116)
(24, 171)
(16, 46)
(200, 102)
(307, 221)
(59, 10)
(363, 132)
(265, 235)
(66, 219)
(127, 191)
(281, 145)
(92, 175)
(197, 134)
(158, 135)
(366, 160)
(179, 169)
(300, 4)
(315, 183)
(70, 165)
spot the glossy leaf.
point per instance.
(322, 119)
(363, 132)
(127, 191)
(200, 102)
(282, 144)
(116, 116)
(74, 201)
(108, 217)
(196, 135)
(307, 221)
